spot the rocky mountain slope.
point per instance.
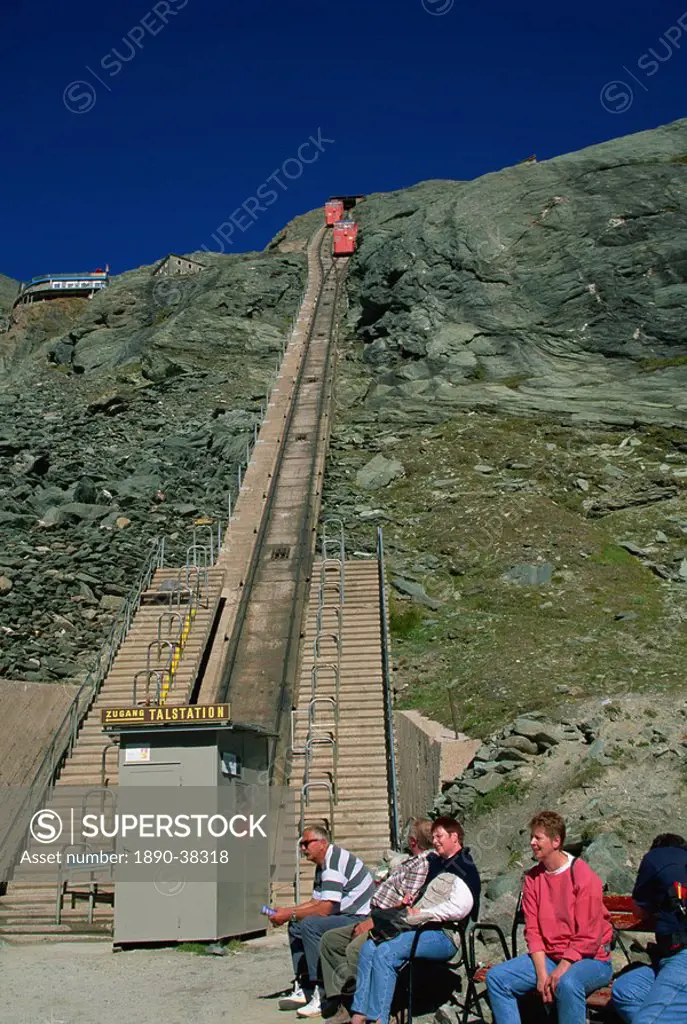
(554, 287)
(123, 418)
(511, 409)
(8, 291)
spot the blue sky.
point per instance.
(137, 128)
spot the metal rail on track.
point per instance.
(303, 547)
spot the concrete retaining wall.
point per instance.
(428, 755)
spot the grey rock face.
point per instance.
(512, 291)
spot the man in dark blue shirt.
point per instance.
(659, 993)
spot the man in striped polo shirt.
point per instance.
(341, 895)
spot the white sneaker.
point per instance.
(313, 1008)
(294, 1000)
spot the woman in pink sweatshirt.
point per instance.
(567, 930)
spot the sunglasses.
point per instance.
(305, 843)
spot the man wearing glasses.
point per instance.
(341, 896)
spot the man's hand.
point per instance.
(413, 911)
(553, 979)
(280, 916)
(363, 927)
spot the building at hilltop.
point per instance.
(58, 286)
(173, 265)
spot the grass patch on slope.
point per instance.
(503, 648)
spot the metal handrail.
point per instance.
(305, 800)
(170, 617)
(103, 792)
(312, 705)
(329, 666)
(172, 648)
(200, 589)
(324, 582)
(334, 609)
(103, 758)
(293, 749)
(65, 735)
(176, 593)
(199, 549)
(340, 540)
(78, 869)
(316, 700)
(320, 741)
(330, 635)
(159, 676)
(210, 545)
(388, 704)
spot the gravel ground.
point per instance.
(85, 983)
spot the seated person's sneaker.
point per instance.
(294, 999)
(313, 1008)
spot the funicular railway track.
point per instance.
(260, 668)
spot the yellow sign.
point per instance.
(206, 713)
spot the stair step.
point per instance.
(9, 918)
(58, 929)
(13, 939)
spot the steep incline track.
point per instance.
(261, 666)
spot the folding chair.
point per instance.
(464, 961)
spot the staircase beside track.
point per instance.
(361, 820)
(28, 909)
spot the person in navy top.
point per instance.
(659, 993)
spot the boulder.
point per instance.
(482, 268)
(542, 733)
(514, 755)
(610, 858)
(509, 882)
(521, 743)
(378, 473)
(415, 591)
(486, 783)
(528, 575)
(85, 491)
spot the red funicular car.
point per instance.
(333, 210)
(344, 233)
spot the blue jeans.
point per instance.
(378, 965)
(646, 995)
(304, 940)
(514, 978)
